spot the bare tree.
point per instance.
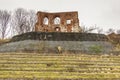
(31, 20)
(19, 21)
(23, 21)
(99, 30)
(118, 31)
(88, 29)
(110, 31)
(4, 21)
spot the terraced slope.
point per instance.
(31, 66)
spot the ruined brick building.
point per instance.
(57, 22)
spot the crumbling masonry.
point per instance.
(57, 22)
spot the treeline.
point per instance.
(99, 30)
(16, 22)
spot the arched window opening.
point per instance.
(57, 20)
(45, 21)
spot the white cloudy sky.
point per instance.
(104, 13)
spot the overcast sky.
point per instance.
(104, 13)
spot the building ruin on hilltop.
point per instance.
(57, 22)
(62, 30)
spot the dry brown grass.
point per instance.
(2, 41)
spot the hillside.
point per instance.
(24, 66)
(50, 41)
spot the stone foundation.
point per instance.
(52, 46)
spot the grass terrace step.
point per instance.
(59, 66)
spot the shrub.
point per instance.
(49, 64)
(95, 49)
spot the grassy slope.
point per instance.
(58, 66)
